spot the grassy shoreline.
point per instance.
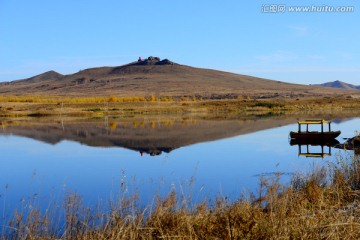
(322, 204)
(12, 106)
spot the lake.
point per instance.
(43, 159)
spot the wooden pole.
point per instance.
(322, 127)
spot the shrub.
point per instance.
(112, 99)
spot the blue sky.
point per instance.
(230, 35)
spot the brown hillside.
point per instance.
(159, 78)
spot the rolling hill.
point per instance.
(160, 78)
(339, 84)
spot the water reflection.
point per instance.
(305, 147)
(237, 151)
(152, 136)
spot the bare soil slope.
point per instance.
(159, 78)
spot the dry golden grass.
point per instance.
(106, 106)
(324, 204)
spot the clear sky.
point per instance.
(230, 35)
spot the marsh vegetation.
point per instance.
(107, 106)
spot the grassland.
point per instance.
(322, 204)
(106, 106)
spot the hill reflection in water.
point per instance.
(146, 135)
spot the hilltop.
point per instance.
(154, 76)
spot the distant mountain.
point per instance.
(153, 76)
(339, 84)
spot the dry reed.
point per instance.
(323, 204)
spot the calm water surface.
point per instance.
(43, 159)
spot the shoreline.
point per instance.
(320, 204)
(37, 106)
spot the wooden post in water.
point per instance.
(322, 126)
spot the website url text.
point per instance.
(282, 8)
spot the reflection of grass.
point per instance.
(324, 204)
